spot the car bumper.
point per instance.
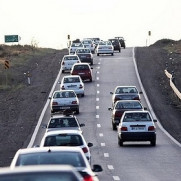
(137, 136)
(68, 107)
(105, 51)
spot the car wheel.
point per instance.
(120, 141)
(153, 143)
(119, 50)
(77, 111)
(114, 126)
(112, 54)
(90, 79)
(97, 54)
(82, 95)
(92, 62)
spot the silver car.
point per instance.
(74, 47)
(73, 82)
(68, 61)
(64, 100)
(105, 47)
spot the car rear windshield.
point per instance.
(131, 117)
(71, 58)
(65, 94)
(74, 159)
(128, 105)
(122, 90)
(62, 122)
(81, 67)
(71, 80)
(83, 51)
(63, 140)
(86, 42)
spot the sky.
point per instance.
(48, 22)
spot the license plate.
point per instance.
(83, 56)
(64, 107)
(138, 128)
(81, 73)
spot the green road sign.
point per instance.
(11, 38)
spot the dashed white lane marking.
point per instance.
(97, 78)
(97, 107)
(110, 167)
(116, 178)
(98, 67)
(98, 125)
(106, 154)
(98, 92)
(98, 85)
(97, 99)
(97, 116)
(101, 134)
(99, 63)
(103, 144)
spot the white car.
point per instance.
(74, 47)
(68, 61)
(89, 44)
(73, 156)
(64, 122)
(66, 138)
(73, 82)
(64, 100)
(136, 126)
(105, 47)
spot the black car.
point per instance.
(121, 41)
(116, 44)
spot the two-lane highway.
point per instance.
(135, 160)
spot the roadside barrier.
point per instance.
(172, 85)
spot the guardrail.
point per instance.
(172, 85)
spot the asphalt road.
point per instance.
(135, 160)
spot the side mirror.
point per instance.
(82, 124)
(155, 120)
(111, 92)
(44, 126)
(90, 144)
(97, 168)
(110, 109)
(91, 67)
(140, 92)
(49, 97)
(145, 108)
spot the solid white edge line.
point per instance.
(148, 102)
(43, 113)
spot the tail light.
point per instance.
(124, 128)
(151, 128)
(74, 102)
(88, 178)
(54, 103)
(63, 88)
(80, 86)
(63, 63)
(84, 149)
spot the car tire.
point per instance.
(119, 50)
(112, 54)
(153, 143)
(114, 127)
(91, 62)
(120, 141)
(90, 79)
(97, 54)
(77, 111)
(82, 95)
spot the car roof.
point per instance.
(64, 91)
(128, 101)
(143, 111)
(56, 132)
(49, 149)
(81, 64)
(71, 55)
(69, 76)
(125, 86)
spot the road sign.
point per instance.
(6, 64)
(11, 38)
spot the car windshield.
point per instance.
(42, 176)
(65, 94)
(86, 42)
(122, 90)
(63, 140)
(81, 67)
(62, 122)
(83, 51)
(132, 117)
(71, 80)
(74, 159)
(128, 105)
(71, 58)
(76, 45)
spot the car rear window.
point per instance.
(81, 67)
(71, 80)
(131, 117)
(128, 105)
(74, 159)
(62, 122)
(83, 51)
(64, 94)
(71, 58)
(63, 140)
(121, 90)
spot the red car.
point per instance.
(83, 70)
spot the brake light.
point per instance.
(88, 178)
(80, 87)
(63, 63)
(124, 128)
(74, 102)
(151, 128)
(84, 149)
(54, 103)
(63, 88)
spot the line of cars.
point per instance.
(132, 121)
(63, 145)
